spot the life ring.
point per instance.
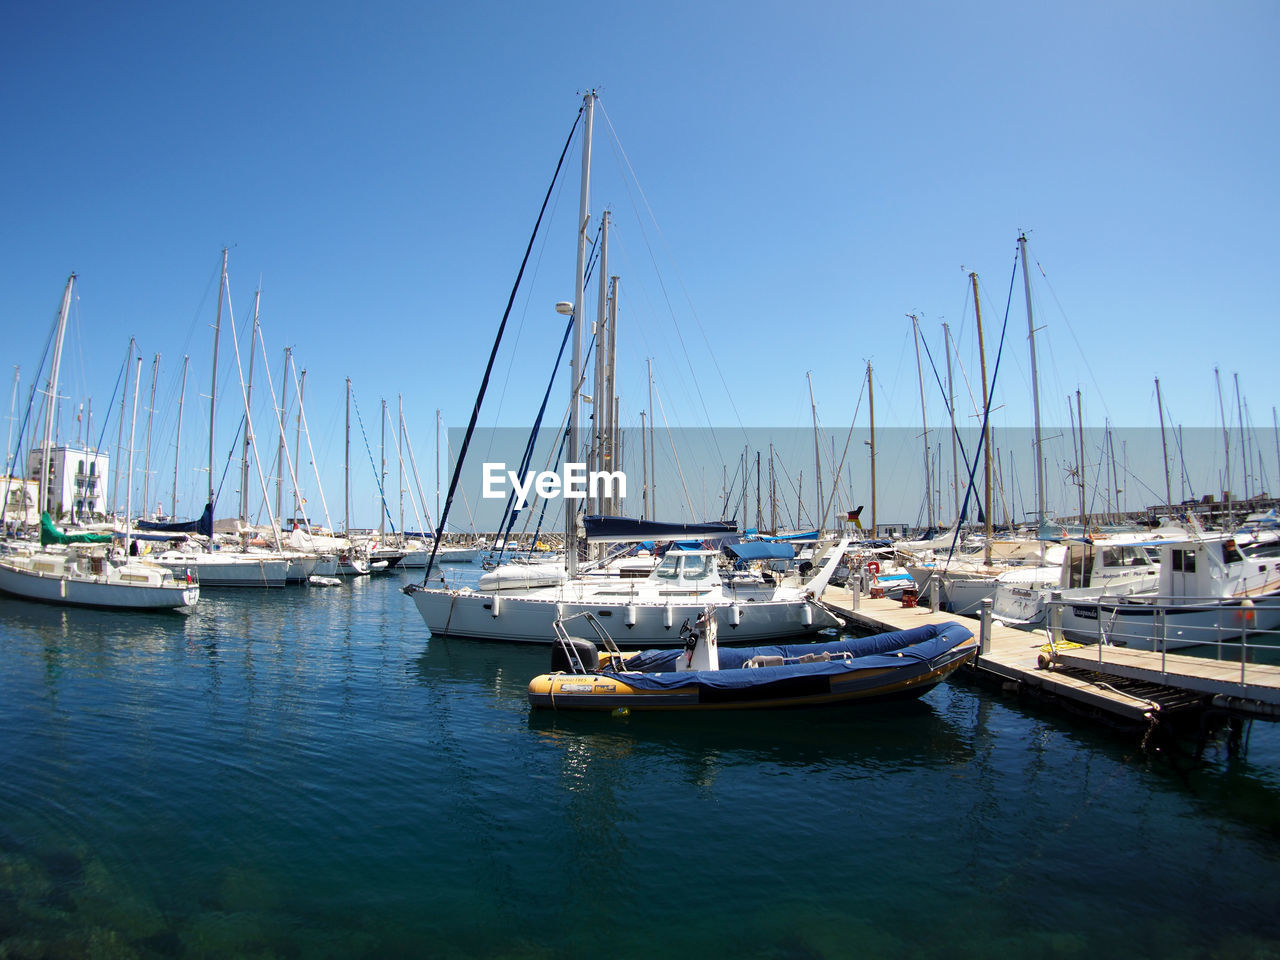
(873, 568)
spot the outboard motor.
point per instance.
(574, 655)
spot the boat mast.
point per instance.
(382, 475)
(299, 385)
(951, 405)
(46, 451)
(213, 389)
(177, 443)
(1244, 449)
(440, 532)
(119, 458)
(613, 447)
(817, 455)
(249, 439)
(13, 406)
(1035, 384)
(653, 453)
(146, 460)
(600, 391)
(1164, 445)
(128, 497)
(986, 426)
(871, 407)
(346, 472)
(1226, 446)
(773, 494)
(400, 456)
(924, 417)
(1084, 516)
(579, 292)
(280, 449)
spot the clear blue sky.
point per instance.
(806, 174)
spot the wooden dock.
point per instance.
(1131, 687)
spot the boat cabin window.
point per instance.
(683, 566)
(1184, 561)
(697, 568)
(1230, 554)
(1126, 556)
(1080, 570)
(669, 568)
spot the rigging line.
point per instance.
(513, 514)
(377, 476)
(484, 383)
(711, 352)
(395, 442)
(1076, 340)
(949, 407)
(306, 428)
(835, 475)
(986, 419)
(674, 455)
(448, 449)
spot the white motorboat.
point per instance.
(1213, 587)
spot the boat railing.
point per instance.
(1244, 630)
(571, 652)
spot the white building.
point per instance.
(77, 482)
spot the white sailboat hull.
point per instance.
(212, 570)
(525, 619)
(132, 587)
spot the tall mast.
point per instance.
(51, 398)
(1035, 384)
(346, 472)
(177, 443)
(951, 405)
(213, 389)
(128, 497)
(297, 445)
(280, 448)
(644, 472)
(1226, 445)
(579, 293)
(440, 532)
(871, 408)
(146, 459)
(1244, 451)
(1084, 516)
(1164, 445)
(119, 458)
(599, 390)
(382, 474)
(249, 439)
(653, 453)
(613, 441)
(13, 405)
(924, 417)
(817, 456)
(400, 456)
(986, 427)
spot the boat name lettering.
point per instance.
(548, 484)
(1085, 613)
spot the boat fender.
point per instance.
(806, 615)
(496, 607)
(873, 568)
(667, 616)
(735, 615)
(630, 618)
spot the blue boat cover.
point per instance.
(203, 526)
(762, 550)
(633, 530)
(884, 650)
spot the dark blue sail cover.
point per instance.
(203, 526)
(899, 648)
(633, 530)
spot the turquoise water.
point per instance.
(304, 773)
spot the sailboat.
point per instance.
(650, 610)
(86, 570)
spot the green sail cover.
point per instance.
(51, 534)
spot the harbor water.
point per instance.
(306, 773)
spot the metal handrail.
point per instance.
(1231, 636)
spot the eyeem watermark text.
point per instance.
(576, 484)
